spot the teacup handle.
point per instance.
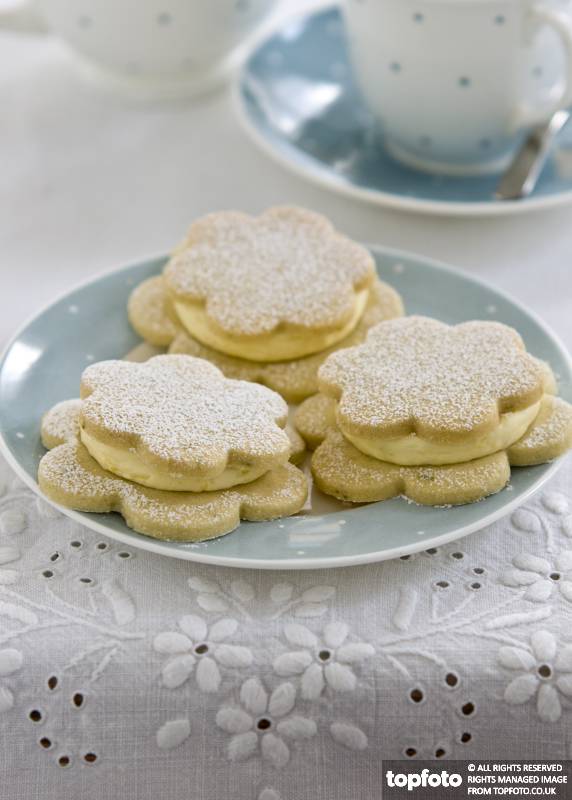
(22, 18)
(527, 115)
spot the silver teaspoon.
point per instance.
(522, 175)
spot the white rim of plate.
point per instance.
(176, 549)
(308, 168)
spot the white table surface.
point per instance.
(89, 181)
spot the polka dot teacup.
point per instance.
(161, 47)
(454, 83)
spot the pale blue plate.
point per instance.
(44, 361)
(298, 100)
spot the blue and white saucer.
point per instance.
(298, 100)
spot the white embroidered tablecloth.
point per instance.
(128, 675)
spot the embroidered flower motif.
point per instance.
(8, 554)
(10, 662)
(283, 598)
(555, 502)
(263, 723)
(540, 576)
(213, 598)
(202, 647)
(268, 793)
(173, 733)
(324, 662)
(526, 520)
(349, 736)
(12, 521)
(544, 672)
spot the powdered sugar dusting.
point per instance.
(419, 375)
(287, 266)
(148, 313)
(554, 429)
(61, 423)
(69, 476)
(63, 468)
(314, 418)
(180, 413)
(548, 437)
(297, 379)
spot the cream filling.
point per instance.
(127, 464)
(412, 450)
(283, 344)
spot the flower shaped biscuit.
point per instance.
(152, 316)
(269, 288)
(176, 423)
(343, 471)
(61, 424)
(420, 392)
(68, 475)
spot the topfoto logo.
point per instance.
(412, 780)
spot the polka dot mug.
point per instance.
(455, 83)
(154, 47)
